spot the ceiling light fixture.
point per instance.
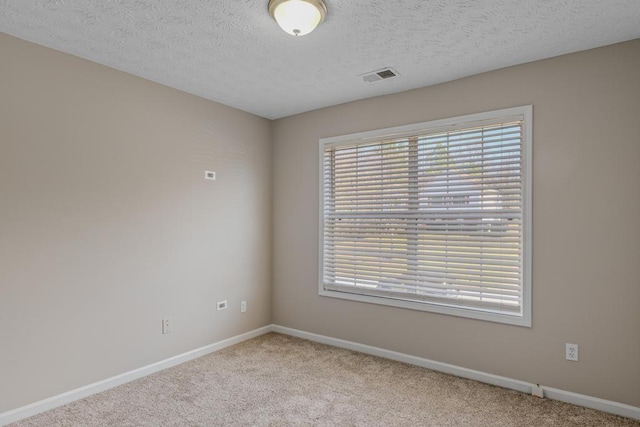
(298, 17)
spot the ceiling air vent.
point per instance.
(383, 74)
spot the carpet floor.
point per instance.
(278, 380)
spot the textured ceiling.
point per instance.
(232, 52)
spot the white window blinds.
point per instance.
(433, 216)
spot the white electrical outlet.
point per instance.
(572, 352)
(167, 325)
(210, 175)
(243, 306)
(222, 305)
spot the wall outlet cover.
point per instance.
(572, 352)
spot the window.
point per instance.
(434, 216)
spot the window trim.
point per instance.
(526, 112)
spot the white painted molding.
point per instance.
(593, 402)
(525, 387)
(82, 392)
(510, 383)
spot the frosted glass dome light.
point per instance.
(298, 17)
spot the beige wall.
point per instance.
(107, 225)
(586, 204)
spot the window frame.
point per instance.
(526, 111)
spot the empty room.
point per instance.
(319, 212)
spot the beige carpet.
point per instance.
(277, 380)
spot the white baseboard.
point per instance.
(522, 386)
(510, 383)
(593, 402)
(82, 392)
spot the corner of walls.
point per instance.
(272, 131)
